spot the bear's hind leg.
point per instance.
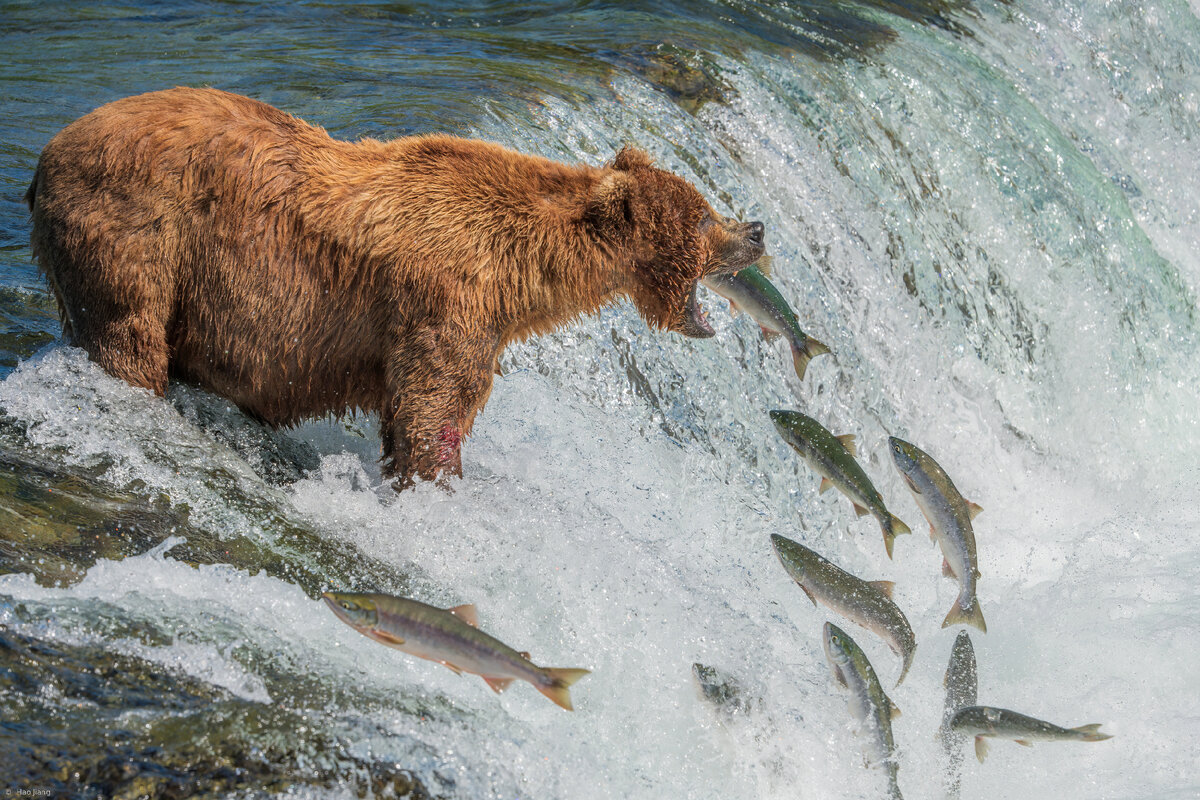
(115, 290)
(132, 348)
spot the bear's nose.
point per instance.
(755, 233)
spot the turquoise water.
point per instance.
(988, 211)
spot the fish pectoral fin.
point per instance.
(811, 596)
(912, 486)
(1023, 742)
(733, 309)
(860, 511)
(451, 667)
(885, 587)
(947, 570)
(387, 638)
(825, 486)
(981, 748)
(498, 684)
(466, 613)
(763, 265)
(932, 533)
(973, 509)
(847, 440)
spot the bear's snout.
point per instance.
(754, 233)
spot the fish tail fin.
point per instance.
(561, 679)
(802, 355)
(965, 613)
(908, 660)
(893, 786)
(1091, 733)
(894, 527)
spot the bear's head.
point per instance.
(674, 236)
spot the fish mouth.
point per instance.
(695, 319)
(338, 611)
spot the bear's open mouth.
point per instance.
(695, 320)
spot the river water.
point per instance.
(991, 214)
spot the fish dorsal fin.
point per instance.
(525, 655)
(885, 587)
(768, 334)
(973, 509)
(455, 669)
(847, 440)
(981, 748)
(860, 511)
(825, 486)
(811, 596)
(893, 709)
(763, 265)
(466, 613)
(498, 684)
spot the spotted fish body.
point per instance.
(984, 722)
(962, 690)
(750, 291)
(949, 516)
(868, 604)
(832, 457)
(449, 637)
(869, 706)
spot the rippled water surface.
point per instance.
(990, 213)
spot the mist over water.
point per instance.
(989, 213)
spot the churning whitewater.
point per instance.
(995, 233)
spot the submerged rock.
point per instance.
(83, 721)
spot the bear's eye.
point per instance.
(705, 224)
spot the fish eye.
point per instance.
(346, 605)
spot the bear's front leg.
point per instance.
(438, 381)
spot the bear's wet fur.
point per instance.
(209, 237)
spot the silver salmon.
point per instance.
(750, 291)
(1000, 723)
(833, 459)
(864, 603)
(868, 704)
(949, 516)
(451, 638)
(962, 689)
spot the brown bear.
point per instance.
(209, 237)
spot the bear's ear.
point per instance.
(611, 203)
(631, 158)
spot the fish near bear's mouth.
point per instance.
(695, 320)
